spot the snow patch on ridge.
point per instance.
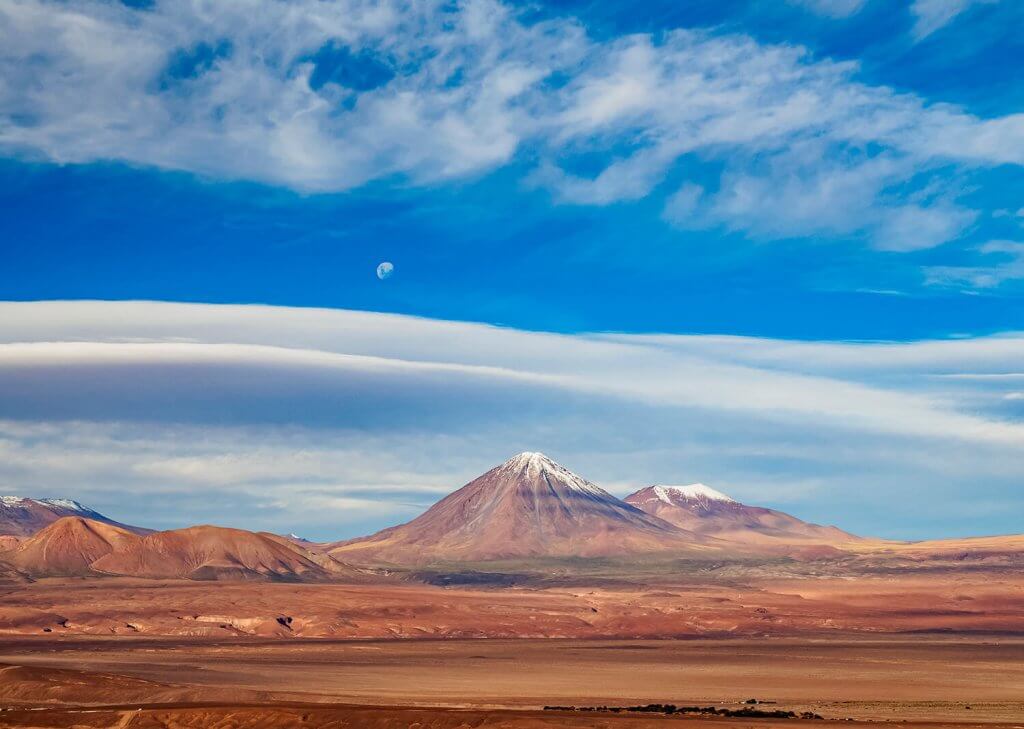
(66, 504)
(691, 492)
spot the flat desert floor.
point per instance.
(927, 680)
(304, 716)
(724, 602)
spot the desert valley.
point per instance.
(528, 587)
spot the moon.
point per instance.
(385, 269)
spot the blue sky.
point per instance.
(887, 239)
(805, 171)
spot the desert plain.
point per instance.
(930, 646)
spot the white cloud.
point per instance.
(913, 227)
(833, 8)
(807, 191)
(252, 112)
(932, 15)
(324, 357)
(334, 422)
(228, 91)
(682, 205)
(1009, 268)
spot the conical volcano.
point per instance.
(528, 506)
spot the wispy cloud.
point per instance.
(932, 15)
(833, 8)
(1009, 267)
(329, 96)
(342, 421)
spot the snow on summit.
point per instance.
(532, 464)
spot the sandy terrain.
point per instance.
(347, 717)
(920, 678)
(337, 717)
(728, 601)
(916, 641)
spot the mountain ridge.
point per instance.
(704, 510)
(22, 516)
(79, 547)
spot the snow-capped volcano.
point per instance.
(21, 516)
(704, 510)
(527, 506)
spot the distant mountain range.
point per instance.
(531, 506)
(527, 508)
(22, 517)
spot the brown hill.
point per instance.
(216, 553)
(956, 553)
(527, 507)
(23, 517)
(68, 547)
(74, 546)
(317, 554)
(703, 510)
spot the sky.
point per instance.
(777, 247)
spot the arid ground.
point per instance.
(949, 680)
(921, 645)
(726, 600)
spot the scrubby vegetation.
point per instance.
(745, 712)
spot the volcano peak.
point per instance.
(532, 465)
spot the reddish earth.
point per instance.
(953, 681)
(39, 686)
(738, 599)
(68, 546)
(214, 553)
(74, 546)
(243, 716)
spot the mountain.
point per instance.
(703, 510)
(23, 517)
(213, 553)
(68, 546)
(74, 546)
(528, 506)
